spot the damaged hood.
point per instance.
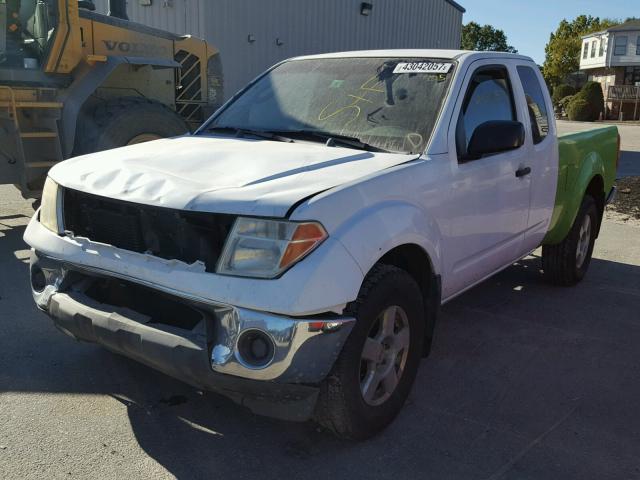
(220, 174)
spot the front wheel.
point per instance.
(567, 263)
(373, 375)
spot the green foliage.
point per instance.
(592, 93)
(587, 105)
(564, 103)
(484, 38)
(562, 91)
(562, 53)
(579, 109)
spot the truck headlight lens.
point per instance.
(266, 248)
(50, 206)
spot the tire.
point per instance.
(566, 263)
(342, 407)
(120, 122)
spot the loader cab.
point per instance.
(27, 31)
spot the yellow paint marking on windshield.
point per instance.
(360, 98)
(354, 107)
(371, 88)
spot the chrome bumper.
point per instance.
(206, 355)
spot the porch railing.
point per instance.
(623, 92)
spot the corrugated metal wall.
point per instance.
(286, 28)
(178, 16)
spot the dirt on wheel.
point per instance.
(626, 207)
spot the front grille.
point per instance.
(162, 232)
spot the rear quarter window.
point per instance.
(538, 115)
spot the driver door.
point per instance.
(489, 204)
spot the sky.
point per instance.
(528, 23)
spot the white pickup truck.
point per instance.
(294, 252)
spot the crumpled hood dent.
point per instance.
(217, 174)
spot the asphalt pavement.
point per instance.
(526, 381)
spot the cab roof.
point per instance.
(419, 53)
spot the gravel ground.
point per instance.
(626, 207)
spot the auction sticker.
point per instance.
(423, 67)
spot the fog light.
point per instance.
(255, 348)
(38, 279)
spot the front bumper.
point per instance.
(193, 341)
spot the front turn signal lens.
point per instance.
(305, 238)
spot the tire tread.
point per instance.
(332, 409)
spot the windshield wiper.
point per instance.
(331, 139)
(243, 132)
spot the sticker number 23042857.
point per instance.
(423, 67)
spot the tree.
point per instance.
(593, 94)
(562, 91)
(562, 53)
(484, 38)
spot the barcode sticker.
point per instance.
(423, 67)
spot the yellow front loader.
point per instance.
(73, 81)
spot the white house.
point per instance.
(612, 57)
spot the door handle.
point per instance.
(521, 172)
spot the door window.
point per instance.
(535, 103)
(27, 28)
(489, 97)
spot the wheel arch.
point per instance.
(414, 259)
(587, 179)
(596, 190)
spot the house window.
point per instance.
(638, 45)
(585, 53)
(621, 45)
(602, 43)
(593, 48)
(631, 75)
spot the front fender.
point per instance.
(381, 227)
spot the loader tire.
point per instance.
(126, 121)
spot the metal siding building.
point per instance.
(254, 34)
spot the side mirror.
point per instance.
(495, 137)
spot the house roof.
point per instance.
(625, 27)
(630, 26)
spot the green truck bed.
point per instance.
(588, 164)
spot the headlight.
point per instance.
(266, 248)
(50, 206)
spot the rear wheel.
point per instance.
(127, 121)
(567, 263)
(372, 378)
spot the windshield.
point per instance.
(388, 104)
(26, 30)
